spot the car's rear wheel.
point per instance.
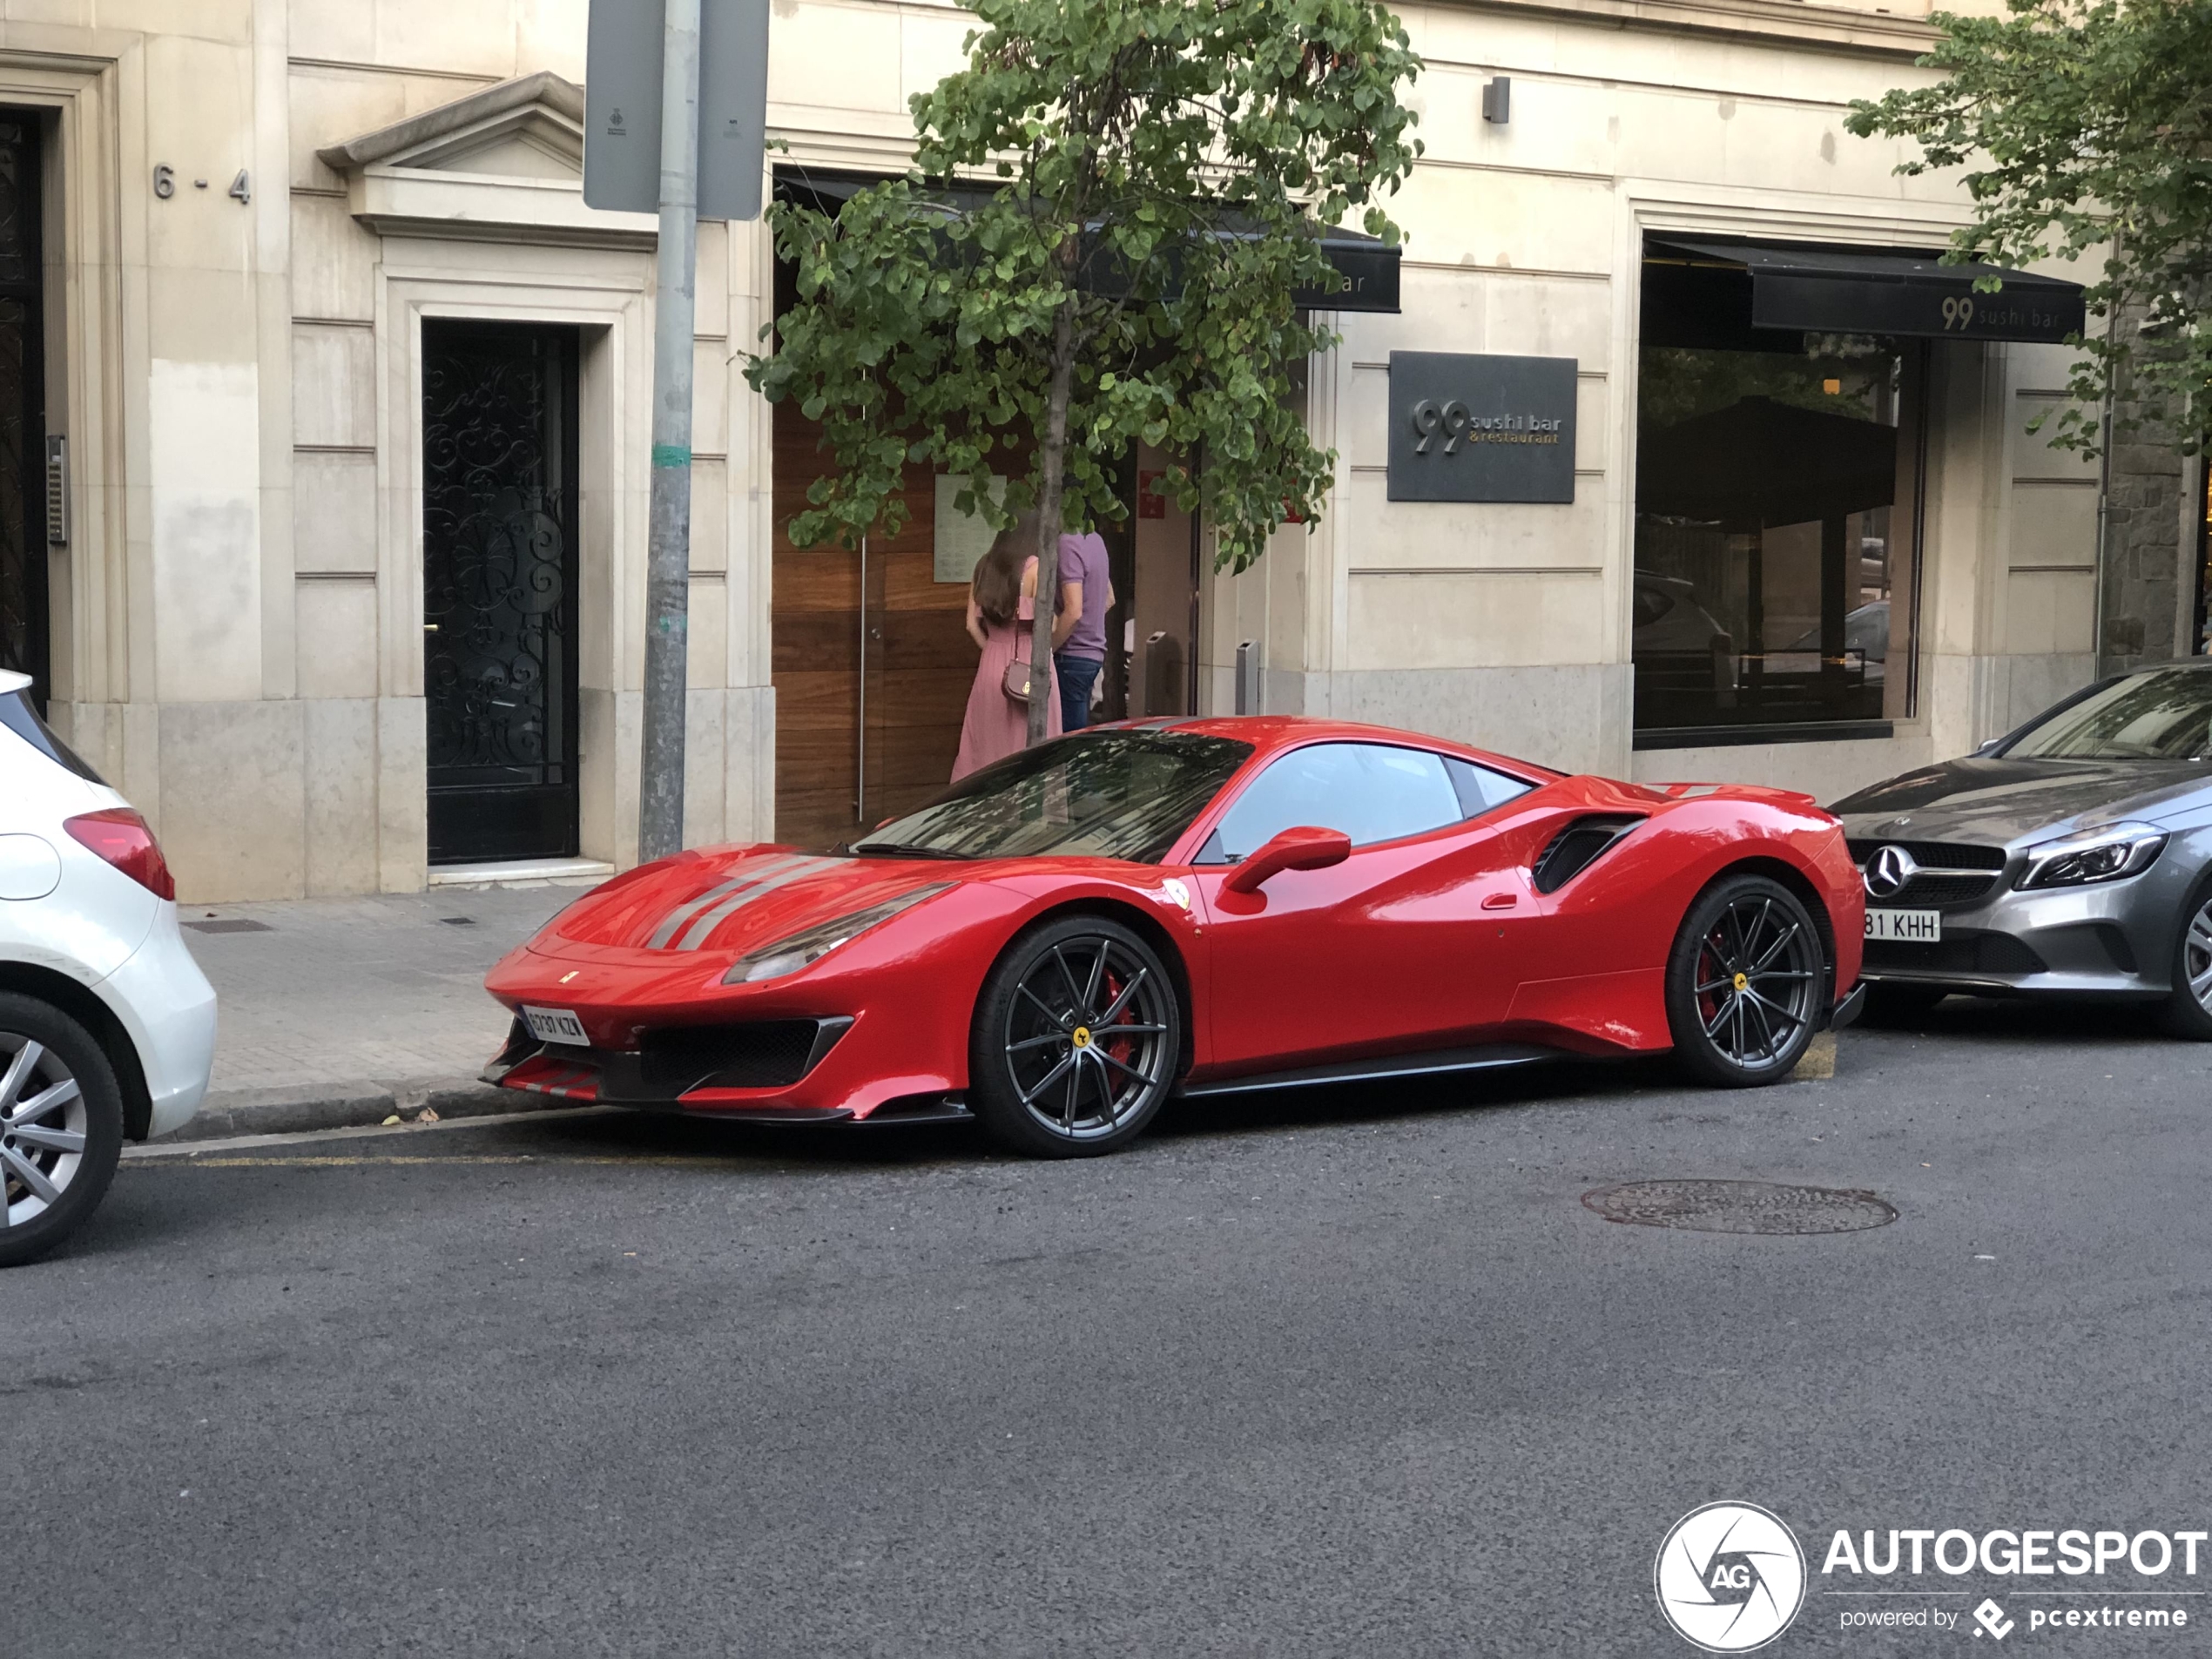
(60, 1126)
(1744, 982)
(2187, 1012)
(1076, 1039)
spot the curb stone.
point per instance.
(286, 1110)
(1818, 1064)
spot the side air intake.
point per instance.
(1578, 847)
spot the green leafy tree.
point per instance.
(1109, 213)
(2081, 127)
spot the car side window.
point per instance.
(17, 715)
(1373, 791)
(1479, 788)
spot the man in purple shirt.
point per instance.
(1085, 595)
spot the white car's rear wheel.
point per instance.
(60, 1126)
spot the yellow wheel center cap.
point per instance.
(1742, 981)
(1081, 1037)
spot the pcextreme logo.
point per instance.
(1729, 1577)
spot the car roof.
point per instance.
(11, 681)
(1269, 733)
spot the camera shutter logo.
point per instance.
(1729, 1577)
(1889, 871)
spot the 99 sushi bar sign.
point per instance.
(1472, 426)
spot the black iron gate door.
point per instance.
(23, 526)
(499, 516)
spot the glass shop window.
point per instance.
(1777, 491)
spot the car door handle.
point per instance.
(1501, 901)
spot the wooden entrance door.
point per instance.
(872, 661)
(873, 664)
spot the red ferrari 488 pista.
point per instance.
(1064, 941)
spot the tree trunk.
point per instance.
(1050, 466)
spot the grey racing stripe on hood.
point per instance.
(683, 913)
(697, 933)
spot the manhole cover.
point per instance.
(1739, 1207)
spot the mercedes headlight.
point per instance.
(2102, 854)
(803, 949)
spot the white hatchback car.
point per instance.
(107, 1026)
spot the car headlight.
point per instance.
(801, 950)
(2103, 854)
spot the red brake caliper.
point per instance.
(1120, 1048)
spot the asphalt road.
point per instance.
(1354, 1374)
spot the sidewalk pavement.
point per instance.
(336, 1012)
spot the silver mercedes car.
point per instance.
(2072, 857)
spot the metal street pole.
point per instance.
(668, 556)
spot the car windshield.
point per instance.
(2164, 714)
(1109, 794)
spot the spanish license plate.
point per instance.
(1906, 927)
(560, 1025)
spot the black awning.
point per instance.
(1887, 291)
(1367, 266)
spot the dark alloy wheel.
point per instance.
(1076, 1039)
(61, 1127)
(1744, 982)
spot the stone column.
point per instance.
(2146, 594)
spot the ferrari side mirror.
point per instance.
(1304, 847)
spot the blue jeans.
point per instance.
(1077, 675)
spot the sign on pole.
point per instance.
(622, 96)
(733, 107)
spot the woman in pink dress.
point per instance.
(1002, 604)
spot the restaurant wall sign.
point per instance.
(1469, 426)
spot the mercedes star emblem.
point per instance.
(1888, 870)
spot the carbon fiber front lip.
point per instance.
(2117, 988)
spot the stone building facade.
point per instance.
(316, 307)
(2151, 590)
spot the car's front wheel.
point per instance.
(60, 1126)
(1076, 1039)
(2187, 1012)
(1744, 982)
